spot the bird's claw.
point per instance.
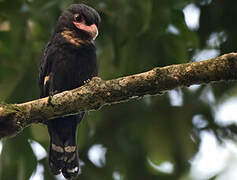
(86, 81)
(51, 94)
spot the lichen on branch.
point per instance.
(98, 92)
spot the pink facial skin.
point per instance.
(92, 30)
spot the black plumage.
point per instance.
(69, 62)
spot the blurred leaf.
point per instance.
(15, 157)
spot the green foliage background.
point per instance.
(133, 38)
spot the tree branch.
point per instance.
(98, 92)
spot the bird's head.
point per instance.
(81, 20)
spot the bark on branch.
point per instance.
(98, 92)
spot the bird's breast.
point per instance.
(76, 65)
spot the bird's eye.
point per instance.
(77, 18)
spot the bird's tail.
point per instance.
(63, 155)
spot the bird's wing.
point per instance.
(44, 71)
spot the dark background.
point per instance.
(155, 137)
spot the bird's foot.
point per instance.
(51, 94)
(86, 81)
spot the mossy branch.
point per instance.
(98, 92)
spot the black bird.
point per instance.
(69, 61)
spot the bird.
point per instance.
(69, 61)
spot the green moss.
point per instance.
(9, 109)
(2, 103)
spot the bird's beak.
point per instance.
(92, 30)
